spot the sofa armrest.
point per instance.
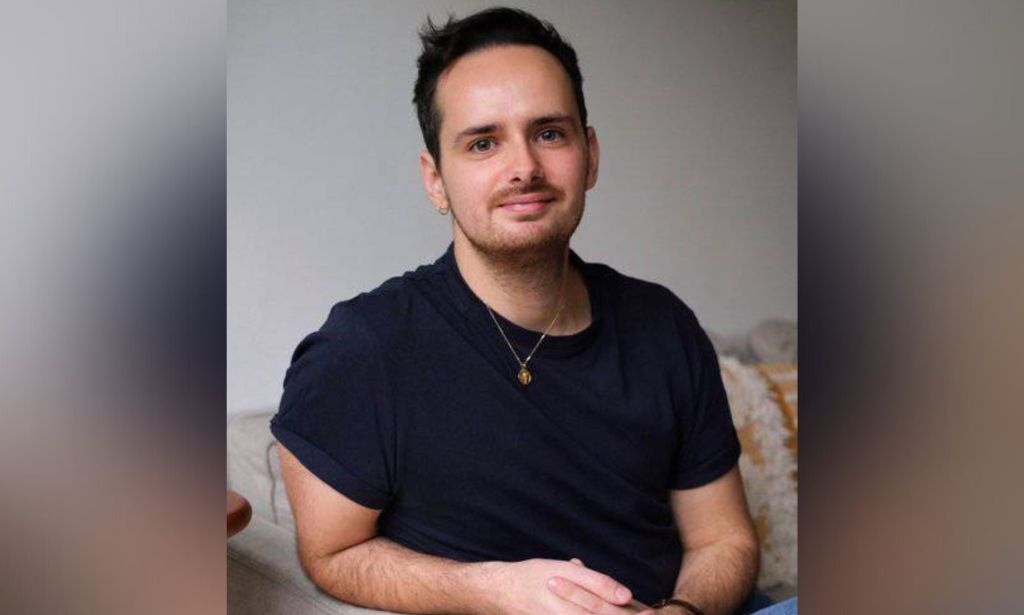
(265, 577)
(250, 458)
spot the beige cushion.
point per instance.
(254, 469)
(249, 443)
(282, 509)
(768, 465)
(783, 384)
(774, 341)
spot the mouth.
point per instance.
(527, 203)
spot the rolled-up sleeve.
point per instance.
(336, 412)
(710, 446)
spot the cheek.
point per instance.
(568, 169)
(472, 187)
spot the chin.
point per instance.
(507, 239)
(518, 245)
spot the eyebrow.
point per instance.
(475, 130)
(487, 128)
(551, 119)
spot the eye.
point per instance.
(550, 135)
(482, 146)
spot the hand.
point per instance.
(522, 588)
(588, 601)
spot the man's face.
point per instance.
(515, 165)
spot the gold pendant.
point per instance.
(525, 377)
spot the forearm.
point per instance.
(384, 575)
(716, 578)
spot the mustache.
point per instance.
(537, 186)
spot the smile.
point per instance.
(528, 203)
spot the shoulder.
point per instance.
(360, 332)
(374, 320)
(642, 297)
(651, 315)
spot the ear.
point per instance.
(593, 157)
(432, 182)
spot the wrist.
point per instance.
(676, 606)
(480, 588)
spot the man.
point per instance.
(510, 429)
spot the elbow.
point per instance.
(749, 552)
(755, 557)
(747, 542)
(749, 546)
(326, 573)
(313, 565)
(745, 551)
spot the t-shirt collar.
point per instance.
(524, 339)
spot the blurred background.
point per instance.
(694, 104)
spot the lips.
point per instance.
(527, 203)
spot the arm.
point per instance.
(340, 550)
(720, 548)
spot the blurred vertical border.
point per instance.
(911, 217)
(112, 190)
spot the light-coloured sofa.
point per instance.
(264, 574)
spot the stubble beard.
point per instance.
(524, 252)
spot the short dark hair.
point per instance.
(443, 45)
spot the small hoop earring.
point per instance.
(443, 210)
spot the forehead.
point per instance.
(502, 85)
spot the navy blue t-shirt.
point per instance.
(406, 400)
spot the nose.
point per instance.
(524, 165)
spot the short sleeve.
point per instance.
(709, 446)
(335, 414)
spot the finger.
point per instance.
(557, 606)
(570, 592)
(602, 585)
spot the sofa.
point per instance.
(759, 372)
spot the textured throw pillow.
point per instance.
(759, 396)
(782, 381)
(774, 341)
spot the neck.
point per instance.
(528, 290)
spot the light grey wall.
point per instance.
(694, 103)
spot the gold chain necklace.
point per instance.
(524, 375)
